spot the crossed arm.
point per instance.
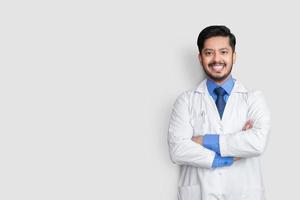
(249, 142)
(200, 140)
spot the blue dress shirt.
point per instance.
(211, 141)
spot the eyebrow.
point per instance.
(225, 48)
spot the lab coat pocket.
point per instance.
(192, 192)
(253, 193)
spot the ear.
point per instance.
(234, 57)
(199, 57)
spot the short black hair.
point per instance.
(214, 31)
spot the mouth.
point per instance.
(217, 67)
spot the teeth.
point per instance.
(217, 68)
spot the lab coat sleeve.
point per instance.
(183, 151)
(251, 142)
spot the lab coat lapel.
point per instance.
(202, 88)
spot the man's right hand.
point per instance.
(248, 125)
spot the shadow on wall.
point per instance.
(193, 74)
(192, 67)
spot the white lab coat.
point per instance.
(195, 113)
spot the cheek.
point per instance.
(229, 60)
(206, 61)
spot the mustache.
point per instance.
(216, 63)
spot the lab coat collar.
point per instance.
(237, 88)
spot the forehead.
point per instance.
(217, 42)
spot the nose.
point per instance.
(217, 57)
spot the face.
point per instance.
(217, 58)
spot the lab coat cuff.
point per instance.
(211, 141)
(223, 146)
(220, 161)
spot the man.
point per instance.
(219, 129)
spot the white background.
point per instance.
(87, 88)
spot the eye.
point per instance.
(224, 52)
(208, 53)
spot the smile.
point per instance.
(217, 67)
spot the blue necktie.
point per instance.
(220, 102)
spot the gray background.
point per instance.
(87, 88)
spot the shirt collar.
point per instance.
(227, 85)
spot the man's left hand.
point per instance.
(198, 139)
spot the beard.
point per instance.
(217, 78)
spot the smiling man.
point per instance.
(219, 129)
(217, 57)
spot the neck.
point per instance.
(220, 82)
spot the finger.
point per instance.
(245, 126)
(248, 125)
(247, 122)
(195, 138)
(251, 123)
